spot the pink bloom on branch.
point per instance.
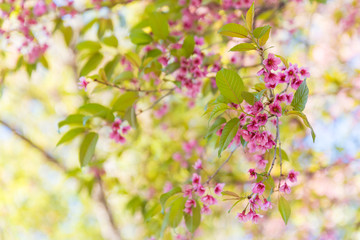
(199, 40)
(196, 180)
(285, 188)
(252, 173)
(261, 164)
(39, 8)
(198, 165)
(261, 119)
(256, 217)
(296, 82)
(125, 129)
(289, 97)
(275, 109)
(188, 211)
(200, 190)
(209, 200)
(187, 191)
(261, 72)
(190, 203)
(304, 72)
(116, 124)
(242, 217)
(266, 205)
(258, 188)
(219, 188)
(205, 210)
(293, 176)
(83, 83)
(272, 62)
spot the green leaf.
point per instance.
(130, 116)
(139, 37)
(250, 17)
(127, 75)
(172, 67)
(284, 209)
(70, 135)
(89, 45)
(193, 221)
(110, 66)
(300, 97)
(305, 120)
(87, 148)
(260, 31)
(164, 197)
(284, 60)
(228, 134)
(72, 119)
(110, 41)
(97, 110)
(133, 58)
(216, 126)
(242, 47)
(259, 95)
(91, 64)
(230, 85)
(6, 7)
(284, 155)
(248, 97)
(233, 30)
(218, 110)
(176, 212)
(264, 38)
(125, 101)
(159, 25)
(68, 34)
(188, 46)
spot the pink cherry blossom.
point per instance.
(304, 73)
(258, 188)
(261, 164)
(187, 191)
(190, 203)
(293, 176)
(188, 211)
(83, 83)
(200, 190)
(205, 210)
(39, 8)
(255, 218)
(196, 180)
(266, 205)
(285, 188)
(272, 62)
(209, 200)
(198, 165)
(242, 217)
(275, 109)
(252, 173)
(219, 188)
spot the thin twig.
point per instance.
(156, 102)
(221, 166)
(276, 140)
(131, 89)
(47, 155)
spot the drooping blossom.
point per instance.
(272, 62)
(258, 188)
(285, 189)
(219, 188)
(293, 176)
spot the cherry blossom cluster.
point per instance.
(197, 190)
(118, 130)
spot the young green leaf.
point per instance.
(284, 209)
(260, 31)
(110, 66)
(110, 41)
(130, 116)
(248, 97)
(216, 126)
(159, 25)
(72, 119)
(125, 101)
(228, 134)
(91, 64)
(176, 212)
(188, 46)
(87, 148)
(70, 135)
(264, 38)
(250, 17)
(306, 122)
(218, 110)
(139, 37)
(230, 85)
(97, 110)
(193, 221)
(284, 60)
(242, 47)
(233, 30)
(164, 197)
(300, 97)
(88, 45)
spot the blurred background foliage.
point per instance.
(40, 199)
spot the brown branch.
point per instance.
(221, 166)
(47, 155)
(131, 89)
(101, 199)
(156, 102)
